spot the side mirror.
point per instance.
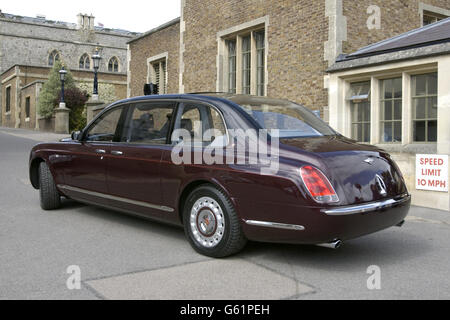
(76, 135)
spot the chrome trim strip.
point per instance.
(366, 207)
(275, 225)
(120, 199)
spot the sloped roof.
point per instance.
(43, 21)
(154, 30)
(433, 39)
(433, 33)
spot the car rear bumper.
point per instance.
(369, 207)
(306, 225)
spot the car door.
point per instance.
(133, 174)
(195, 120)
(85, 174)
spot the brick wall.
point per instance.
(166, 40)
(296, 33)
(397, 17)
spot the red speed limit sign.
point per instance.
(432, 172)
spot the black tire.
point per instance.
(49, 195)
(233, 239)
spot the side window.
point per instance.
(106, 128)
(204, 125)
(150, 122)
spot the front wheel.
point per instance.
(49, 195)
(211, 223)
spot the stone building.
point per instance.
(396, 94)
(30, 46)
(262, 47)
(153, 57)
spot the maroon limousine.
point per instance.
(151, 156)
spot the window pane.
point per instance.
(356, 132)
(432, 108)
(419, 131)
(387, 131)
(105, 127)
(398, 110)
(150, 123)
(366, 132)
(397, 131)
(231, 66)
(420, 107)
(8, 99)
(420, 85)
(259, 36)
(388, 110)
(163, 78)
(246, 65)
(27, 107)
(156, 76)
(204, 124)
(397, 88)
(432, 131)
(387, 89)
(366, 111)
(432, 83)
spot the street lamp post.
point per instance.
(62, 113)
(62, 77)
(96, 60)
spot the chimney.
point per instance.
(91, 22)
(85, 22)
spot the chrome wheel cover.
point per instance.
(207, 222)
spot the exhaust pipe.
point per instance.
(331, 245)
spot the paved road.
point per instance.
(125, 257)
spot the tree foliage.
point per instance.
(75, 101)
(51, 90)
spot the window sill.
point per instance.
(413, 148)
(27, 120)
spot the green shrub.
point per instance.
(51, 91)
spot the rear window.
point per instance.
(292, 120)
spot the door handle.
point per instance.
(117, 153)
(100, 151)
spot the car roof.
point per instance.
(238, 99)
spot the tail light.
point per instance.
(318, 186)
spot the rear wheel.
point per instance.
(49, 195)
(211, 223)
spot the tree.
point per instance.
(75, 101)
(51, 90)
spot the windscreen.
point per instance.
(292, 120)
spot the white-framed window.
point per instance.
(431, 17)
(424, 107)
(113, 64)
(360, 111)
(391, 103)
(85, 61)
(242, 58)
(431, 14)
(53, 57)
(157, 72)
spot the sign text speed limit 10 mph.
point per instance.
(432, 172)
